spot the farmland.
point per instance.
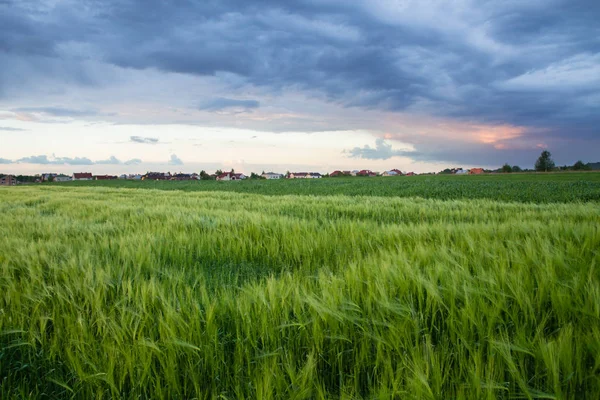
(532, 188)
(427, 288)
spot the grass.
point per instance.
(119, 293)
(527, 187)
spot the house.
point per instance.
(461, 172)
(228, 176)
(305, 175)
(271, 175)
(354, 172)
(62, 178)
(341, 173)
(156, 176)
(181, 177)
(298, 175)
(48, 177)
(410, 174)
(393, 172)
(82, 176)
(476, 171)
(366, 172)
(123, 176)
(104, 177)
(8, 180)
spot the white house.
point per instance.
(462, 172)
(62, 178)
(228, 176)
(272, 175)
(305, 175)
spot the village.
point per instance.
(12, 180)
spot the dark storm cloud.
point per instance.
(523, 63)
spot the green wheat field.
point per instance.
(224, 292)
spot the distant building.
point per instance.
(272, 175)
(48, 177)
(305, 175)
(8, 180)
(336, 173)
(181, 177)
(392, 172)
(104, 177)
(476, 171)
(462, 172)
(228, 176)
(156, 176)
(62, 178)
(366, 172)
(82, 176)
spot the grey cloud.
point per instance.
(112, 160)
(59, 111)
(145, 140)
(222, 103)
(467, 61)
(44, 160)
(9, 129)
(5, 161)
(381, 151)
(174, 160)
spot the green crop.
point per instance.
(524, 188)
(138, 293)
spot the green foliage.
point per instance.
(115, 293)
(507, 168)
(580, 166)
(535, 188)
(544, 163)
(516, 168)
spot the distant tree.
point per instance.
(580, 166)
(544, 162)
(255, 176)
(516, 168)
(232, 171)
(218, 172)
(204, 176)
(507, 168)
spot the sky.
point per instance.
(131, 86)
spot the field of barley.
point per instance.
(139, 293)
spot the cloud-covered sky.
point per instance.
(317, 84)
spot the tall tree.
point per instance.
(544, 162)
(507, 168)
